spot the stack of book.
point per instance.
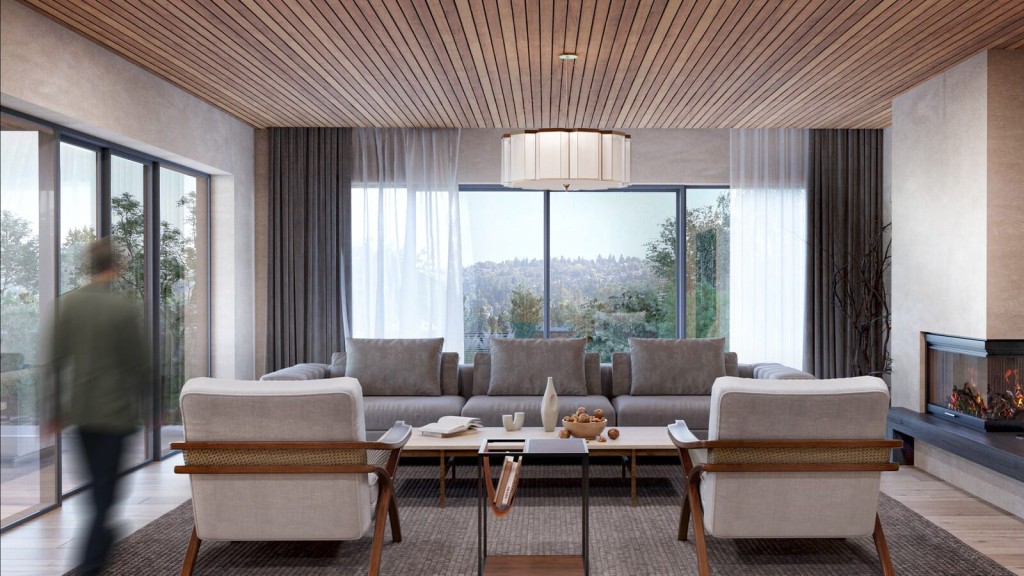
(508, 481)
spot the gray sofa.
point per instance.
(496, 384)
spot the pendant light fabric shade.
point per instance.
(565, 159)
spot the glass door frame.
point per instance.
(151, 209)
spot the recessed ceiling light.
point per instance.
(568, 56)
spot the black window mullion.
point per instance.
(547, 264)
(151, 215)
(681, 263)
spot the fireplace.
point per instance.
(976, 383)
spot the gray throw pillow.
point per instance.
(399, 367)
(675, 367)
(521, 367)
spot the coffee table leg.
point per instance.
(632, 478)
(442, 462)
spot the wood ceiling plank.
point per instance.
(694, 45)
(613, 55)
(713, 54)
(795, 79)
(910, 72)
(293, 29)
(250, 30)
(751, 57)
(584, 31)
(485, 76)
(672, 19)
(840, 87)
(411, 42)
(492, 21)
(519, 78)
(373, 38)
(644, 63)
(632, 47)
(454, 37)
(787, 54)
(319, 28)
(120, 40)
(570, 34)
(830, 66)
(603, 14)
(447, 65)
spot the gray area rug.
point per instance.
(624, 541)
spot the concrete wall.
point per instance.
(52, 73)
(939, 214)
(656, 156)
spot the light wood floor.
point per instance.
(51, 544)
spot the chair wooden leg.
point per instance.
(396, 528)
(684, 518)
(700, 541)
(883, 548)
(191, 553)
(377, 547)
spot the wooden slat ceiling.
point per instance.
(494, 63)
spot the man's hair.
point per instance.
(102, 256)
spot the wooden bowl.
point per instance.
(585, 429)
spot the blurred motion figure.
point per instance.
(100, 358)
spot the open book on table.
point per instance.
(450, 425)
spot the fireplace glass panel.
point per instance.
(978, 379)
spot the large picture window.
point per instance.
(597, 265)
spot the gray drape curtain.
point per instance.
(309, 271)
(845, 219)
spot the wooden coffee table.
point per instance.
(633, 441)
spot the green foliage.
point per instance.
(526, 313)
(19, 266)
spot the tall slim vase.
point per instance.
(549, 406)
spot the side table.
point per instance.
(531, 450)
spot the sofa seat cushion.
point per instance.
(383, 411)
(490, 408)
(663, 410)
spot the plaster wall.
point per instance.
(52, 73)
(939, 211)
(1005, 194)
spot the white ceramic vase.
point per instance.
(549, 407)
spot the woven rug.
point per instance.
(624, 541)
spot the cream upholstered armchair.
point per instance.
(787, 459)
(286, 461)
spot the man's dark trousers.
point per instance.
(103, 456)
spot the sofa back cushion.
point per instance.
(395, 367)
(520, 367)
(685, 367)
(449, 371)
(622, 371)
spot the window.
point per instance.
(611, 270)
(157, 215)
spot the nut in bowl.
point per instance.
(590, 429)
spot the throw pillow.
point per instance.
(398, 367)
(522, 367)
(675, 367)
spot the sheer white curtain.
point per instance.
(406, 256)
(768, 249)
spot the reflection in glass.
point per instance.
(27, 459)
(707, 263)
(502, 236)
(183, 322)
(613, 267)
(128, 181)
(79, 187)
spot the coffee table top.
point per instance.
(630, 438)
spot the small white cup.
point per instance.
(508, 422)
(518, 420)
